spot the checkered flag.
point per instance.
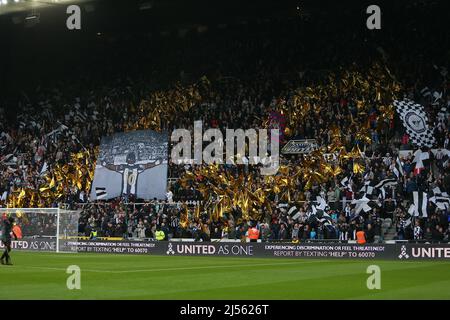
(415, 122)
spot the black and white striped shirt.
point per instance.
(175, 222)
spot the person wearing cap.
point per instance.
(6, 240)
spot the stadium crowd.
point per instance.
(251, 69)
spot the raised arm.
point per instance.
(112, 167)
(152, 164)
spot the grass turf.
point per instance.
(37, 275)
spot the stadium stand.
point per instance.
(243, 74)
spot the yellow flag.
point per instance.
(357, 168)
(21, 194)
(52, 182)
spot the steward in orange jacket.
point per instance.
(253, 234)
(361, 237)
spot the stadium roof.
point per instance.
(14, 6)
(143, 14)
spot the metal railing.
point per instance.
(195, 202)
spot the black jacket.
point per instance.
(370, 235)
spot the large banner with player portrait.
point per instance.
(132, 164)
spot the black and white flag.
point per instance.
(347, 183)
(420, 204)
(440, 199)
(445, 159)
(415, 122)
(386, 183)
(442, 115)
(100, 193)
(294, 213)
(398, 168)
(321, 203)
(367, 188)
(425, 92)
(320, 215)
(437, 96)
(372, 190)
(324, 218)
(361, 204)
(382, 194)
(44, 169)
(80, 117)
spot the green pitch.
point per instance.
(103, 276)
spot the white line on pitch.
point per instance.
(177, 269)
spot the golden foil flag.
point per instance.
(356, 152)
(363, 134)
(59, 180)
(197, 211)
(163, 107)
(387, 112)
(337, 170)
(357, 168)
(21, 194)
(52, 183)
(326, 168)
